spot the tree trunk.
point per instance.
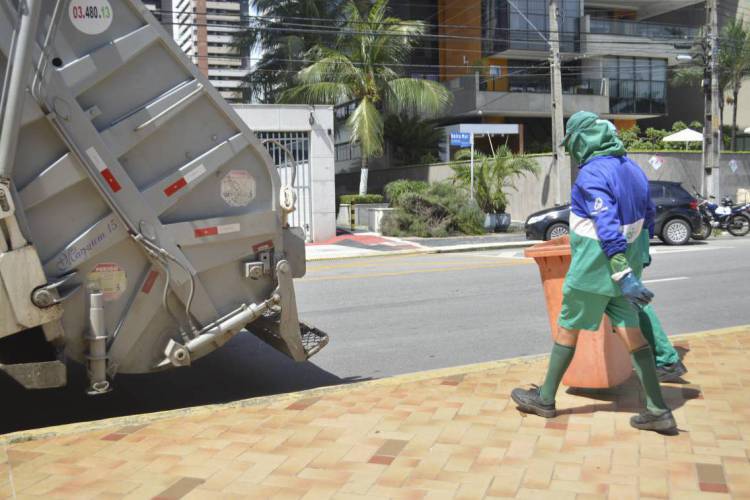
(363, 177)
(735, 96)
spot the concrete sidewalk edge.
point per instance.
(145, 418)
(434, 250)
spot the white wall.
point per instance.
(296, 118)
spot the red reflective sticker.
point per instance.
(175, 186)
(265, 245)
(206, 231)
(150, 280)
(113, 184)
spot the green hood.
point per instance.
(588, 136)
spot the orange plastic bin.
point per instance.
(601, 359)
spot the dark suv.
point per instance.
(677, 216)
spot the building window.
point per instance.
(504, 27)
(637, 85)
(346, 151)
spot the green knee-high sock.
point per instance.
(559, 360)
(645, 368)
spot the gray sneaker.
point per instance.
(671, 373)
(649, 421)
(529, 401)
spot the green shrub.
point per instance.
(358, 199)
(494, 176)
(395, 190)
(439, 210)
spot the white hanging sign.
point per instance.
(656, 162)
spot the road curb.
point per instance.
(434, 250)
(278, 399)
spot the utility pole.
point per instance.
(712, 135)
(558, 126)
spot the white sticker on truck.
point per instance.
(238, 188)
(90, 16)
(110, 279)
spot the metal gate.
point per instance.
(280, 145)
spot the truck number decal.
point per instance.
(90, 17)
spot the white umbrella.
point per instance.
(685, 135)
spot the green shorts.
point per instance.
(584, 310)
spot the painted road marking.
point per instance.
(416, 271)
(660, 280)
(658, 250)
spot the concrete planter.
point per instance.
(376, 218)
(358, 215)
(344, 217)
(497, 223)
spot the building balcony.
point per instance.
(640, 29)
(524, 97)
(607, 37)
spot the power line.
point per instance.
(335, 29)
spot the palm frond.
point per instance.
(687, 76)
(366, 126)
(334, 67)
(317, 93)
(493, 175)
(416, 96)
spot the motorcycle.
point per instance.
(728, 216)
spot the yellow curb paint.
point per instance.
(80, 427)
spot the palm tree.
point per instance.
(282, 51)
(363, 68)
(411, 140)
(493, 176)
(734, 58)
(733, 64)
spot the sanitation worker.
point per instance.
(611, 219)
(669, 367)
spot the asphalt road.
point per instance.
(394, 315)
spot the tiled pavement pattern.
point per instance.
(445, 434)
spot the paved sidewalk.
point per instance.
(363, 244)
(443, 434)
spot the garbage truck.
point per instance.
(142, 223)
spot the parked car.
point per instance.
(677, 216)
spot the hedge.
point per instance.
(358, 199)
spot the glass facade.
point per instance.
(636, 85)
(514, 25)
(531, 76)
(639, 28)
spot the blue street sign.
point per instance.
(461, 139)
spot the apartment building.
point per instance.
(617, 60)
(203, 29)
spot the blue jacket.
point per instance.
(611, 212)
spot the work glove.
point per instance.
(631, 287)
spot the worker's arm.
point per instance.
(601, 207)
